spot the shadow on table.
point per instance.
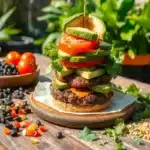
(44, 79)
(140, 73)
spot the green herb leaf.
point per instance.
(5, 17)
(146, 113)
(120, 146)
(120, 128)
(51, 9)
(87, 135)
(56, 65)
(138, 141)
(51, 17)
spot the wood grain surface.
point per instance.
(71, 142)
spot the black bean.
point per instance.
(59, 135)
(38, 122)
(21, 89)
(28, 110)
(13, 133)
(9, 126)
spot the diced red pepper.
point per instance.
(21, 112)
(17, 124)
(42, 128)
(37, 133)
(13, 113)
(6, 131)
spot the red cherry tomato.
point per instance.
(75, 45)
(42, 128)
(28, 56)
(25, 67)
(86, 64)
(13, 58)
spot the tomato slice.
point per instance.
(75, 45)
(86, 64)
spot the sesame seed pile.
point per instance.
(140, 129)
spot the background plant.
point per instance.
(127, 25)
(6, 31)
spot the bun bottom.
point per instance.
(77, 108)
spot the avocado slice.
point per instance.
(63, 55)
(65, 72)
(74, 21)
(106, 88)
(90, 74)
(82, 33)
(90, 22)
(90, 56)
(60, 85)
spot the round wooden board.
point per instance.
(78, 121)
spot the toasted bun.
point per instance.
(77, 108)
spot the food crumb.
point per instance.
(34, 141)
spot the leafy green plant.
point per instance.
(7, 31)
(127, 26)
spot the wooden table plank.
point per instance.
(49, 141)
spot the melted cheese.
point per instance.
(80, 93)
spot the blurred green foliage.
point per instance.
(7, 31)
(127, 25)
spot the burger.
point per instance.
(81, 82)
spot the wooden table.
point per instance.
(71, 142)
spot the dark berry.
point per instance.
(59, 135)
(16, 129)
(8, 90)
(9, 126)
(21, 89)
(13, 133)
(27, 110)
(38, 122)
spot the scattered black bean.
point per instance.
(27, 110)
(9, 125)
(38, 122)
(59, 135)
(13, 133)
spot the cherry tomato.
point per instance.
(28, 56)
(25, 67)
(86, 64)
(75, 45)
(13, 58)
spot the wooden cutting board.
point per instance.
(79, 121)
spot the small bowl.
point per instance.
(19, 80)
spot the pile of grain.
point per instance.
(140, 129)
